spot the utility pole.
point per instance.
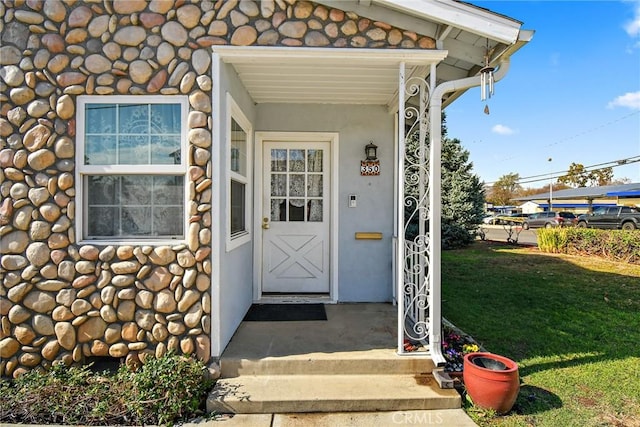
(551, 189)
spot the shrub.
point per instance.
(161, 392)
(455, 235)
(553, 240)
(616, 245)
(167, 389)
(63, 395)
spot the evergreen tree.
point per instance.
(462, 192)
(462, 196)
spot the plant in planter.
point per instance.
(454, 346)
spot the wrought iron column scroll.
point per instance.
(413, 257)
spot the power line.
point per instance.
(621, 162)
(558, 174)
(591, 170)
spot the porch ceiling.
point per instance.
(323, 75)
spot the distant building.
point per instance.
(583, 199)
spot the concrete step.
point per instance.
(375, 361)
(256, 394)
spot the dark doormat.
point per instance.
(285, 312)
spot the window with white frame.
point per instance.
(239, 143)
(131, 166)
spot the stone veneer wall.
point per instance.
(61, 301)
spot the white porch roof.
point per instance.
(324, 75)
(370, 76)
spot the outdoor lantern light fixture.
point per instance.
(486, 76)
(371, 150)
(371, 165)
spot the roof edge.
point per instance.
(234, 54)
(461, 15)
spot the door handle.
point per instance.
(265, 223)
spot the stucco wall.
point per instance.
(62, 300)
(235, 281)
(364, 266)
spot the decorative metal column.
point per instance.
(415, 241)
(418, 260)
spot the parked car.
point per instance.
(549, 219)
(515, 218)
(490, 219)
(502, 219)
(614, 217)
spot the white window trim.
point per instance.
(234, 112)
(83, 170)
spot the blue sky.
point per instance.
(572, 94)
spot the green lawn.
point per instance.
(572, 324)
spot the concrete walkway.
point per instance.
(442, 417)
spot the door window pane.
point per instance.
(296, 161)
(278, 184)
(314, 187)
(278, 160)
(296, 185)
(315, 210)
(278, 210)
(296, 209)
(314, 161)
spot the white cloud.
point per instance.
(502, 130)
(633, 27)
(629, 100)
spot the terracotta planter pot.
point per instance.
(491, 380)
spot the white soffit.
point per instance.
(324, 75)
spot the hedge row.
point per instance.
(617, 245)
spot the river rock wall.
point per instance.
(63, 301)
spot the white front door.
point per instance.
(296, 217)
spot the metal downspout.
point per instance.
(435, 202)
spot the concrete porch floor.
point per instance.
(356, 338)
(346, 364)
(351, 330)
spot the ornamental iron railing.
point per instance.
(414, 260)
